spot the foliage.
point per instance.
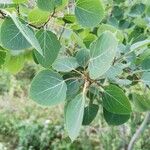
(45, 125)
(99, 48)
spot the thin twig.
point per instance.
(139, 131)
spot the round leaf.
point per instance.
(90, 113)
(50, 46)
(115, 119)
(115, 101)
(48, 88)
(11, 37)
(89, 13)
(38, 17)
(26, 32)
(102, 53)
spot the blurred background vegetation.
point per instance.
(25, 125)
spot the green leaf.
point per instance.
(38, 17)
(19, 1)
(65, 64)
(11, 37)
(146, 78)
(115, 101)
(73, 87)
(26, 32)
(50, 46)
(46, 5)
(83, 57)
(115, 70)
(117, 12)
(137, 9)
(89, 13)
(14, 64)
(146, 64)
(2, 57)
(48, 88)
(102, 53)
(7, 5)
(115, 119)
(90, 113)
(119, 1)
(148, 11)
(69, 18)
(139, 44)
(74, 115)
(141, 102)
(107, 27)
(89, 39)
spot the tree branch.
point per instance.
(139, 131)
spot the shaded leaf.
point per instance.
(115, 100)
(115, 119)
(90, 113)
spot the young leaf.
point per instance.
(115, 101)
(90, 113)
(38, 17)
(14, 64)
(115, 119)
(50, 46)
(48, 88)
(19, 1)
(26, 32)
(102, 53)
(74, 115)
(89, 13)
(11, 37)
(65, 64)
